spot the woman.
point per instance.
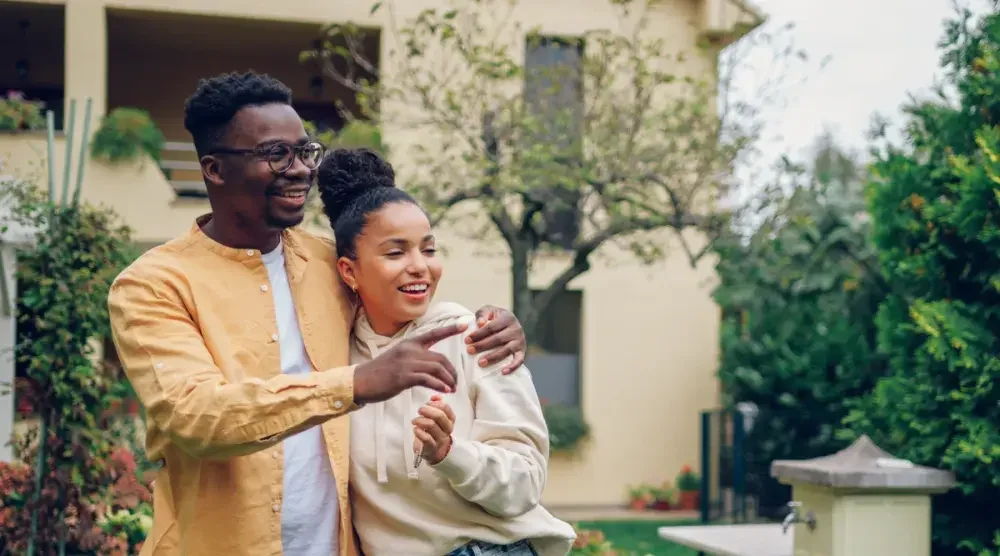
(431, 475)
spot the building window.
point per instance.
(553, 93)
(554, 359)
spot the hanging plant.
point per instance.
(125, 134)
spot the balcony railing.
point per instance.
(180, 164)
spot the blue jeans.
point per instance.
(479, 548)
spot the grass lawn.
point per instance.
(639, 538)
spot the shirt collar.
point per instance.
(293, 248)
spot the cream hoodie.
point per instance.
(488, 487)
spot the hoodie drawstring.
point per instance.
(380, 449)
(408, 456)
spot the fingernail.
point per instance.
(482, 322)
(483, 362)
(471, 349)
(468, 339)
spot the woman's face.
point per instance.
(396, 269)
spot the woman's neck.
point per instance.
(384, 326)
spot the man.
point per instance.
(235, 337)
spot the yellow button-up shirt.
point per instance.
(194, 325)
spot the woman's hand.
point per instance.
(499, 334)
(432, 430)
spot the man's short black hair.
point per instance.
(209, 110)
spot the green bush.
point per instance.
(798, 298)
(76, 473)
(566, 427)
(126, 133)
(936, 208)
(18, 114)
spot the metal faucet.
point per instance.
(794, 517)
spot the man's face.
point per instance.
(247, 185)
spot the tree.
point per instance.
(799, 297)
(935, 203)
(574, 146)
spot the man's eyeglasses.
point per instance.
(281, 156)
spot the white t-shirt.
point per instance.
(309, 511)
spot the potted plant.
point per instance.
(640, 497)
(664, 497)
(20, 114)
(689, 486)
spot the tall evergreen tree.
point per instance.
(935, 204)
(799, 297)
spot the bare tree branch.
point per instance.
(612, 136)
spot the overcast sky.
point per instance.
(879, 51)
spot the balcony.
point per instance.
(32, 59)
(724, 22)
(152, 60)
(155, 60)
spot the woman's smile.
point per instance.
(416, 291)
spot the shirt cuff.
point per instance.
(460, 464)
(337, 388)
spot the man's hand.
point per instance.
(405, 365)
(499, 335)
(432, 430)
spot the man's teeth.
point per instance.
(416, 288)
(292, 194)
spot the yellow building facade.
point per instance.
(648, 335)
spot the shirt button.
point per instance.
(274, 455)
(276, 508)
(274, 337)
(159, 365)
(250, 252)
(338, 404)
(263, 287)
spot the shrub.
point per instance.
(77, 476)
(798, 299)
(936, 207)
(592, 542)
(566, 427)
(126, 133)
(18, 114)
(112, 518)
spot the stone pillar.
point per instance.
(860, 501)
(86, 71)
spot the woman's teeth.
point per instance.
(415, 288)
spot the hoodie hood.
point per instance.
(437, 315)
(371, 344)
